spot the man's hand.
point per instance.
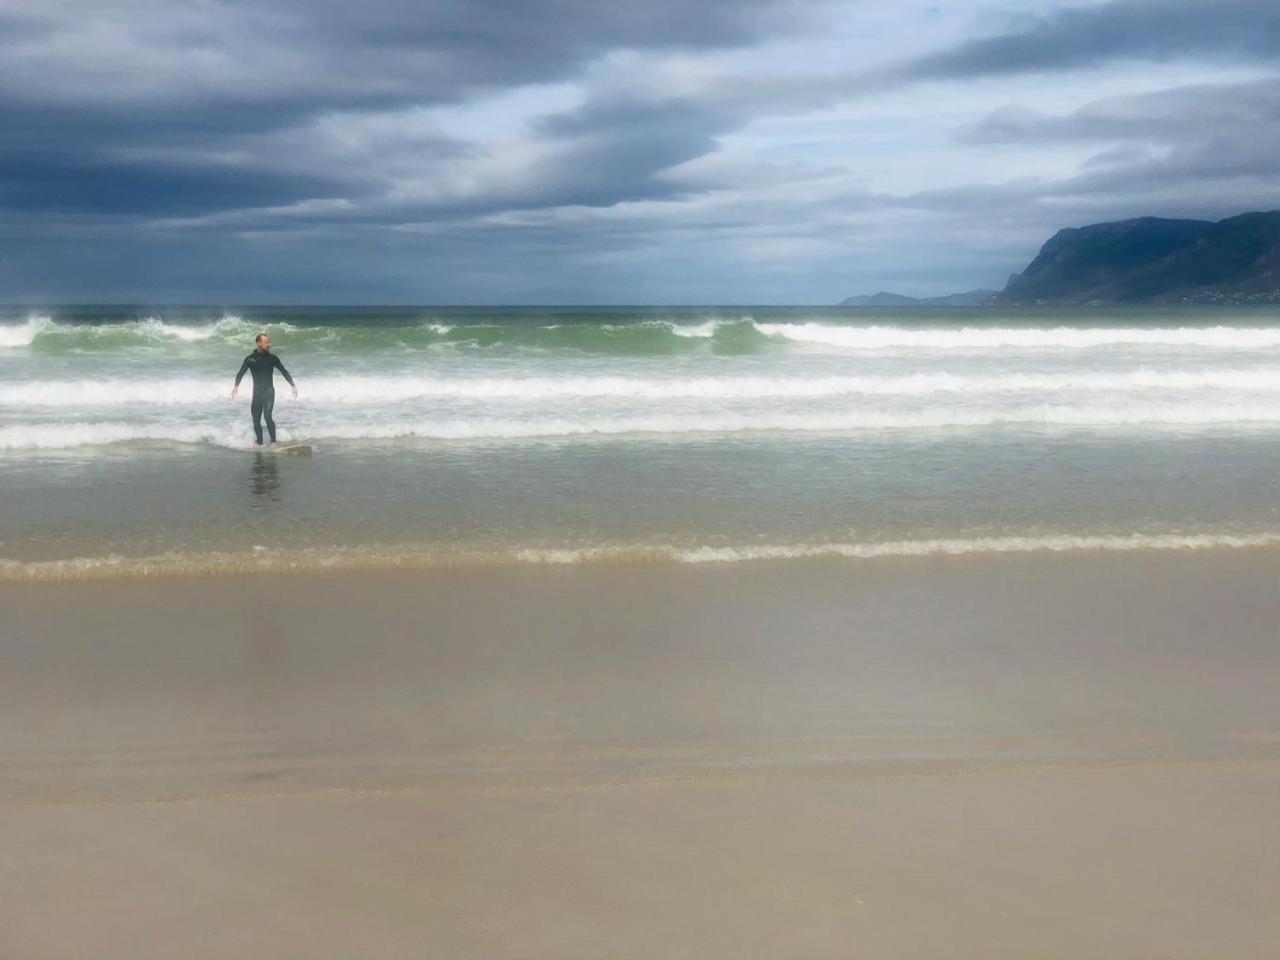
(295, 393)
(234, 391)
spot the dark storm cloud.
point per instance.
(1175, 115)
(1166, 146)
(645, 137)
(123, 88)
(298, 55)
(573, 161)
(290, 139)
(617, 148)
(1207, 150)
(1085, 36)
(135, 92)
(68, 184)
(1215, 178)
(517, 33)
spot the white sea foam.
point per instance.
(117, 391)
(146, 329)
(66, 436)
(187, 333)
(902, 548)
(78, 434)
(91, 394)
(426, 556)
(930, 418)
(22, 334)
(1028, 338)
(696, 330)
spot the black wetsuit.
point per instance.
(261, 363)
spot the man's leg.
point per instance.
(268, 405)
(256, 408)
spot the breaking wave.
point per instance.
(84, 434)
(23, 334)
(147, 331)
(393, 389)
(642, 337)
(1025, 338)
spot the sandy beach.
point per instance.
(738, 480)
(1050, 756)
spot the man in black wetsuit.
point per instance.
(262, 362)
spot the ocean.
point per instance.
(589, 435)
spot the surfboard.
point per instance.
(293, 449)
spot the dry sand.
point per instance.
(1071, 756)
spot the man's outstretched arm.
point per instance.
(239, 376)
(280, 366)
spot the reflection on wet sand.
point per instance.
(264, 476)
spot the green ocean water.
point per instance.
(604, 434)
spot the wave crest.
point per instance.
(23, 334)
(639, 337)
(1026, 338)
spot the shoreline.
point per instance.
(1070, 655)
(389, 559)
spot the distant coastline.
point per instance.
(1147, 260)
(969, 298)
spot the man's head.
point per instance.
(263, 340)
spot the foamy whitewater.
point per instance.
(592, 435)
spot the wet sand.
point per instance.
(1050, 756)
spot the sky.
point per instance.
(607, 151)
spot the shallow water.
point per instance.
(577, 434)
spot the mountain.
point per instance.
(970, 298)
(1153, 260)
